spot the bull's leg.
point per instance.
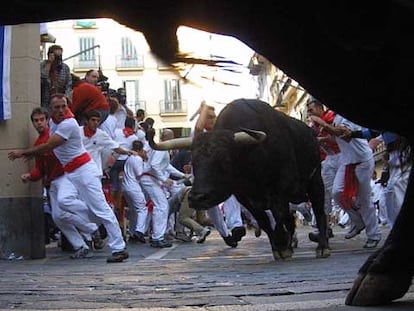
(263, 221)
(388, 273)
(285, 228)
(316, 193)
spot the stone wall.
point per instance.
(21, 211)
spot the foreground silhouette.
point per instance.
(355, 57)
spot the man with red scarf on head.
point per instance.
(66, 142)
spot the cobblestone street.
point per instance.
(191, 276)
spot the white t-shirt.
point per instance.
(124, 142)
(358, 149)
(133, 169)
(121, 116)
(109, 125)
(160, 167)
(69, 130)
(97, 144)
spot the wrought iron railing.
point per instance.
(173, 106)
(129, 63)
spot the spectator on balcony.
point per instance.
(55, 75)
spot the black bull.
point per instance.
(283, 167)
(355, 56)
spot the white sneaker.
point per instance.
(203, 235)
(82, 253)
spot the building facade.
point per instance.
(125, 58)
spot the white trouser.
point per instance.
(174, 203)
(363, 213)
(217, 217)
(396, 186)
(176, 189)
(329, 168)
(138, 210)
(87, 182)
(382, 207)
(232, 213)
(69, 213)
(160, 210)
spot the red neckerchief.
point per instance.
(348, 195)
(68, 115)
(88, 133)
(127, 131)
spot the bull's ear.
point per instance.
(249, 136)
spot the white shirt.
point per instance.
(159, 166)
(141, 136)
(69, 130)
(133, 169)
(358, 149)
(96, 144)
(121, 116)
(124, 142)
(109, 125)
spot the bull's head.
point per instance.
(213, 157)
(246, 136)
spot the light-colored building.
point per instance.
(277, 88)
(125, 58)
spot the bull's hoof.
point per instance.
(287, 253)
(377, 289)
(323, 252)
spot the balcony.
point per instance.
(140, 104)
(173, 108)
(84, 64)
(129, 63)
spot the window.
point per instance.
(132, 95)
(87, 58)
(128, 49)
(172, 96)
(129, 59)
(85, 23)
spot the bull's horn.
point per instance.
(176, 143)
(249, 136)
